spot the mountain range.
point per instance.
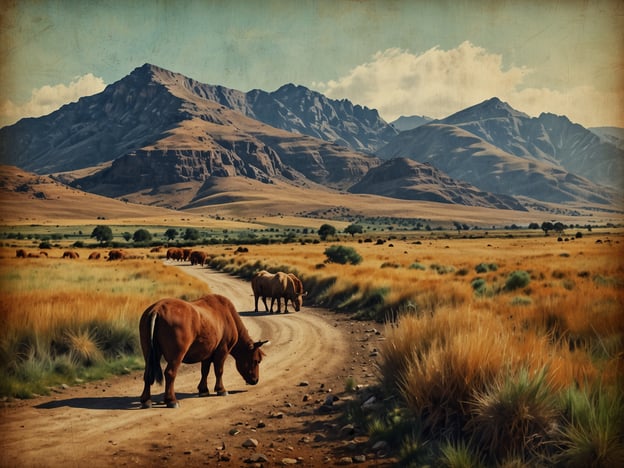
(161, 138)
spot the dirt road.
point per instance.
(101, 424)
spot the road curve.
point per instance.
(100, 424)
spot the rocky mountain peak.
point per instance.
(492, 108)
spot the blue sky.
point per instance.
(402, 57)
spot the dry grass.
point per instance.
(65, 319)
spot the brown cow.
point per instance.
(70, 254)
(174, 253)
(94, 256)
(116, 255)
(197, 257)
(206, 331)
(20, 253)
(185, 254)
(276, 286)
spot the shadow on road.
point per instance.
(263, 314)
(118, 403)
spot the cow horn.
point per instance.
(305, 293)
(257, 344)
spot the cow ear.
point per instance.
(305, 293)
(257, 344)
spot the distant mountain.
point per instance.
(159, 137)
(465, 156)
(410, 180)
(501, 150)
(613, 135)
(547, 138)
(155, 127)
(404, 123)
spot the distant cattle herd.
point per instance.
(265, 285)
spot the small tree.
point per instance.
(103, 234)
(326, 230)
(354, 229)
(191, 234)
(141, 235)
(127, 236)
(171, 233)
(343, 255)
(547, 226)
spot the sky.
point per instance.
(401, 57)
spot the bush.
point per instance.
(479, 285)
(485, 267)
(517, 279)
(343, 255)
(513, 416)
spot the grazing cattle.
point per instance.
(95, 255)
(21, 253)
(155, 249)
(43, 254)
(197, 257)
(174, 253)
(70, 254)
(33, 255)
(185, 254)
(276, 286)
(116, 255)
(206, 331)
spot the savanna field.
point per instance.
(500, 351)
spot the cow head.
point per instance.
(297, 300)
(248, 362)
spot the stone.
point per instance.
(250, 443)
(257, 458)
(289, 461)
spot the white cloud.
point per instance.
(47, 99)
(440, 82)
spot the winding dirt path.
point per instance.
(101, 424)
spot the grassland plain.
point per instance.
(508, 339)
(488, 334)
(76, 319)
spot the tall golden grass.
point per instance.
(474, 367)
(65, 316)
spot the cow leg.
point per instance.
(256, 297)
(146, 397)
(266, 307)
(203, 382)
(285, 305)
(219, 361)
(170, 374)
(273, 302)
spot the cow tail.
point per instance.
(153, 371)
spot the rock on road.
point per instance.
(101, 423)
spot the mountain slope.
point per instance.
(547, 138)
(158, 127)
(409, 180)
(465, 156)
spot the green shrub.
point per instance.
(517, 279)
(485, 267)
(592, 434)
(417, 266)
(479, 285)
(513, 416)
(442, 269)
(343, 255)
